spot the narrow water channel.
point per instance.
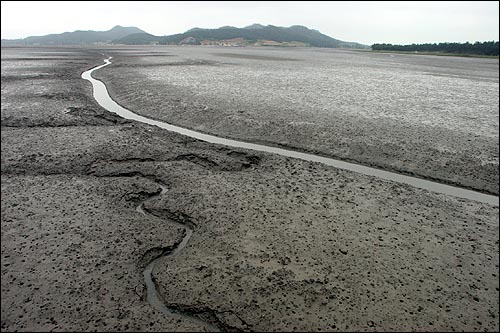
(102, 97)
(153, 295)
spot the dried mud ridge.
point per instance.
(79, 114)
(210, 318)
(233, 161)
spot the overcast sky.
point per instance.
(396, 22)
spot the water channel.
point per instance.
(102, 97)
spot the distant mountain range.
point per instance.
(255, 34)
(79, 37)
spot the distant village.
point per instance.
(239, 42)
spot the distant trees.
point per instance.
(478, 48)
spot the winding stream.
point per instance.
(102, 97)
(153, 296)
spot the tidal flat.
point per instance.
(431, 117)
(278, 244)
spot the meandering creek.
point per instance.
(102, 97)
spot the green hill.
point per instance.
(250, 34)
(142, 38)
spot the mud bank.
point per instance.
(430, 117)
(277, 245)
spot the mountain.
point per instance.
(193, 29)
(255, 34)
(255, 26)
(78, 37)
(142, 38)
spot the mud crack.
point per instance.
(214, 317)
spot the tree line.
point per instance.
(478, 48)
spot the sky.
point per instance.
(366, 22)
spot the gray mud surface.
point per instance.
(278, 244)
(433, 117)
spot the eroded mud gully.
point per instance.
(201, 315)
(153, 296)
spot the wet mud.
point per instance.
(278, 244)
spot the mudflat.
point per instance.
(278, 244)
(432, 117)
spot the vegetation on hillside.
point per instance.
(251, 33)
